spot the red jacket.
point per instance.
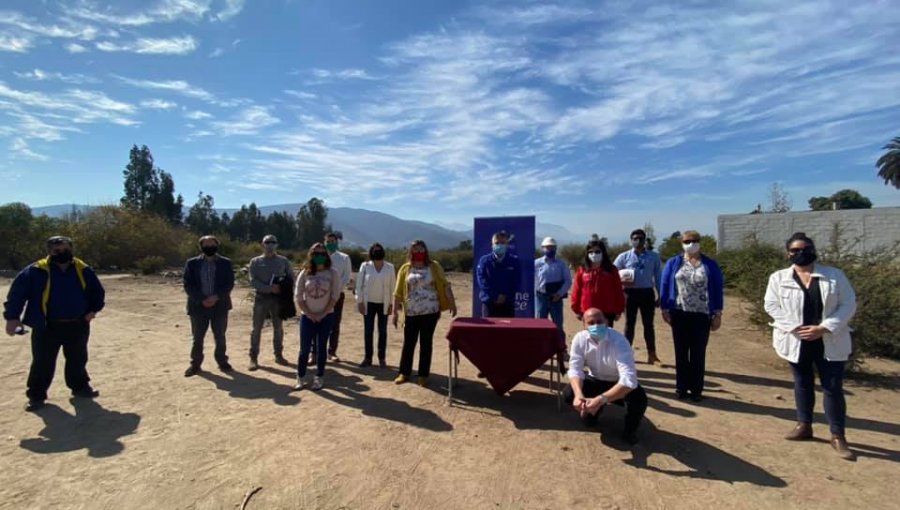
(596, 288)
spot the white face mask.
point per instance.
(691, 249)
(595, 258)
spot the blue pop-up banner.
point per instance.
(521, 244)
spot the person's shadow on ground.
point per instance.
(239, 385)
(92, 427)
(701, 460)
(348, 390)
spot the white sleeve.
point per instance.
(576, 359)
(846, 307)
(781, 319)
(360, 283)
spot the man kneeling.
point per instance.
(611, 377)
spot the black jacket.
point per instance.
(193, 285)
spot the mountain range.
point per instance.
(362, 227)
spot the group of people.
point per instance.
(810, 304)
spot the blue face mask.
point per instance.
(499, 249)
(597, 331)
(549, 252)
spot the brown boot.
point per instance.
(840, 446)
(801, 432)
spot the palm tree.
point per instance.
(889, 163)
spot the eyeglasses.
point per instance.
(691, 241)
(796, 250)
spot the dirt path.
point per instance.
(155, 439)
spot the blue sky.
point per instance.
(599, 116)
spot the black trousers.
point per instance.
(335, 335)
(375, 311)
(690, 332)
(418, 328)
(644, 301)
(635, 402)
(200, 324)
(45, 345)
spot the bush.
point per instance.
(875, 277)
(151, 265)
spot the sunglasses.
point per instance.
(270, 242)
(796, 250)
(691, 241)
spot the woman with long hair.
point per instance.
(597, 284)
(316, 292)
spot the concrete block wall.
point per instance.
(861, 229)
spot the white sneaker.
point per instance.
(318, 382)
(300, 384)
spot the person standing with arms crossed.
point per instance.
(498, 274)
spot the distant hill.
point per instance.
(362, 227)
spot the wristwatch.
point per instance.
(604, 400)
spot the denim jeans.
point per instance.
(546, 307)
(831, 376)
(375, 311)
(314, 332)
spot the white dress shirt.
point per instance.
(609, 359)
(340, 262)
(373, 286)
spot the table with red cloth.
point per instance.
(505, 350)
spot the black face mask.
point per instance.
(377, 255)
(209, 251)
(804, 257)
(61, 258)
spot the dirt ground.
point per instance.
(155, 439)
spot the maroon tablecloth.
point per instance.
(506, 351)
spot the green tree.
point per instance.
(16, 233)
(889, 163)
(282, 226)
(149, 189)
(202, 217)
(843, 199)
(312, 222)
(673, 247)
(247, 224)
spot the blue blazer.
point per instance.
(715, 284)
(193, 285)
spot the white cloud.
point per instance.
(74, 105)
(231, 9)
(299, 94)
(177, 86)
(157, 104)
(197, 115)
(165, 11)
(172, 46)
(15, 44)
(324, 75)
(248, 121)
(218, 52)
(75, 48)
(25, 25)
(41, 75)
(19, 147)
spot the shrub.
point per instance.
(151, 265)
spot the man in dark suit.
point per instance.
(208, 280)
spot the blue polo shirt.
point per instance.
(646, 265)
(498, 276)
(67, 298)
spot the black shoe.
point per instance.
(382, 363)
(630, 437)
(191, 370)
(682, 395)
(34, 406)
(365, 363)
(281, 361)
(225, 367)
(86, 392)
(696, 398)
